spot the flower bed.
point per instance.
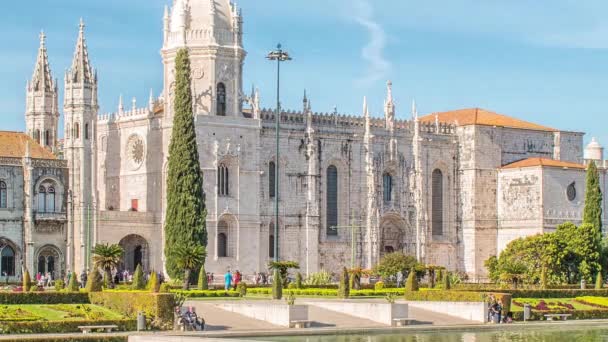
(43, 298)
(597, 302)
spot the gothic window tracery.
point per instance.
(437, 203)
(46, 197)
(221, 99)
(41, 199)
(332, 201)
(223, 180)
(7, 260)
(387, 184)
(271, 179)
(76, 130)
(3, 195)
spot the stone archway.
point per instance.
(396, 236)
(49, 259)
(135, 252)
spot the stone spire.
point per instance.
(42, 79)
(414, 111)
(81, 71)
(389, 105)
(121, 106)
(151, 100)
(371, 233)
(367, 135)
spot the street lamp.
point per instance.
(280, 56)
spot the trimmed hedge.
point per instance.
(49, 327)
(328, 292)
(158, 307)
(13, 298)
(576, 314)
(96, 338)
(556, 293)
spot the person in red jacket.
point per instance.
(237, 278)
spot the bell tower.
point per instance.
(212, 32)
(41, 107)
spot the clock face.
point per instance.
(571, 192)
(136, 151)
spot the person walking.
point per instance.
(227, 280)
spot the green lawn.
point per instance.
(57, 312)
(552, 303)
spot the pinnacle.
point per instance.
(42, 78)
(81, 70)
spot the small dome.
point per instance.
(594, 151)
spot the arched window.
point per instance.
(42, 199)
(387, 183)
(76, 130)
(332, 201)
(86, 131)
(221, 99)
(271, 179)
(47, 138)
(3, 195)
(37, 136)
(67, 131)
(50, 200)
(7, 261)
(271, 240)
(223, 181)
(222, 240)
(437, 203)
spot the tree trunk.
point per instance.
(186, 279)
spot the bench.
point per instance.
(299, 324)
(401, 322)
(88, 328)
(551, 317)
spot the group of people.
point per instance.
(44, 279)
(232, 280)
(495, 312)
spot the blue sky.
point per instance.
(542, 61)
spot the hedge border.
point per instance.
(15, 298)
(54, 327)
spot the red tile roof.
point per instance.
(13, 145)
(478, 116)
(543, 162)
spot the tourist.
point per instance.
(237, 279)
(83, 279)
(227, 280)
(38, 276)
(508, 318)
(5, 274)
(399, 279)
(49, 279)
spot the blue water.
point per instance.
(557, 334)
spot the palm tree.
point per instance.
(188, 258)
(107, 257)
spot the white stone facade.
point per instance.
(349, 186)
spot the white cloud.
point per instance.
(373, 51)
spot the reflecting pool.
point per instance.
(545, 334)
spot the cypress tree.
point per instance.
(139, 283)
(202, 279)
(298, 280)
(153, 283)
(344, 290)
(592, 213)
(27, 281)
(446, 281)
(73, 283)
(186, 213)
(599, 281)
(277, 285)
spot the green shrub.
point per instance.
(298, 280)
(94, 283)
(412, 282)
(277, 288)
(158, 307)
(12, 298)
(599, 281)
(59, 285)
(241, 288)
(446, 281)
(319, 278)
(202, 279)
(67, 326)
(139, 282)
(27, 281)
(344, 290)
(379, 286)
(153, 283)
(73, 285)
(210, 293)
(165, 288)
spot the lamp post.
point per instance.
(280, 56)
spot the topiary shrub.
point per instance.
(599, 281)
(94, 281)
(59, 285)
(446, 281)
(27, 281)
(73, 285)
(139, 282)
(344, 289)
(298, 280)
(165, 288)
(202, 279)
(277, 286)
(241, 288)
(412, 282)
(379, 286)
(153, 283)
